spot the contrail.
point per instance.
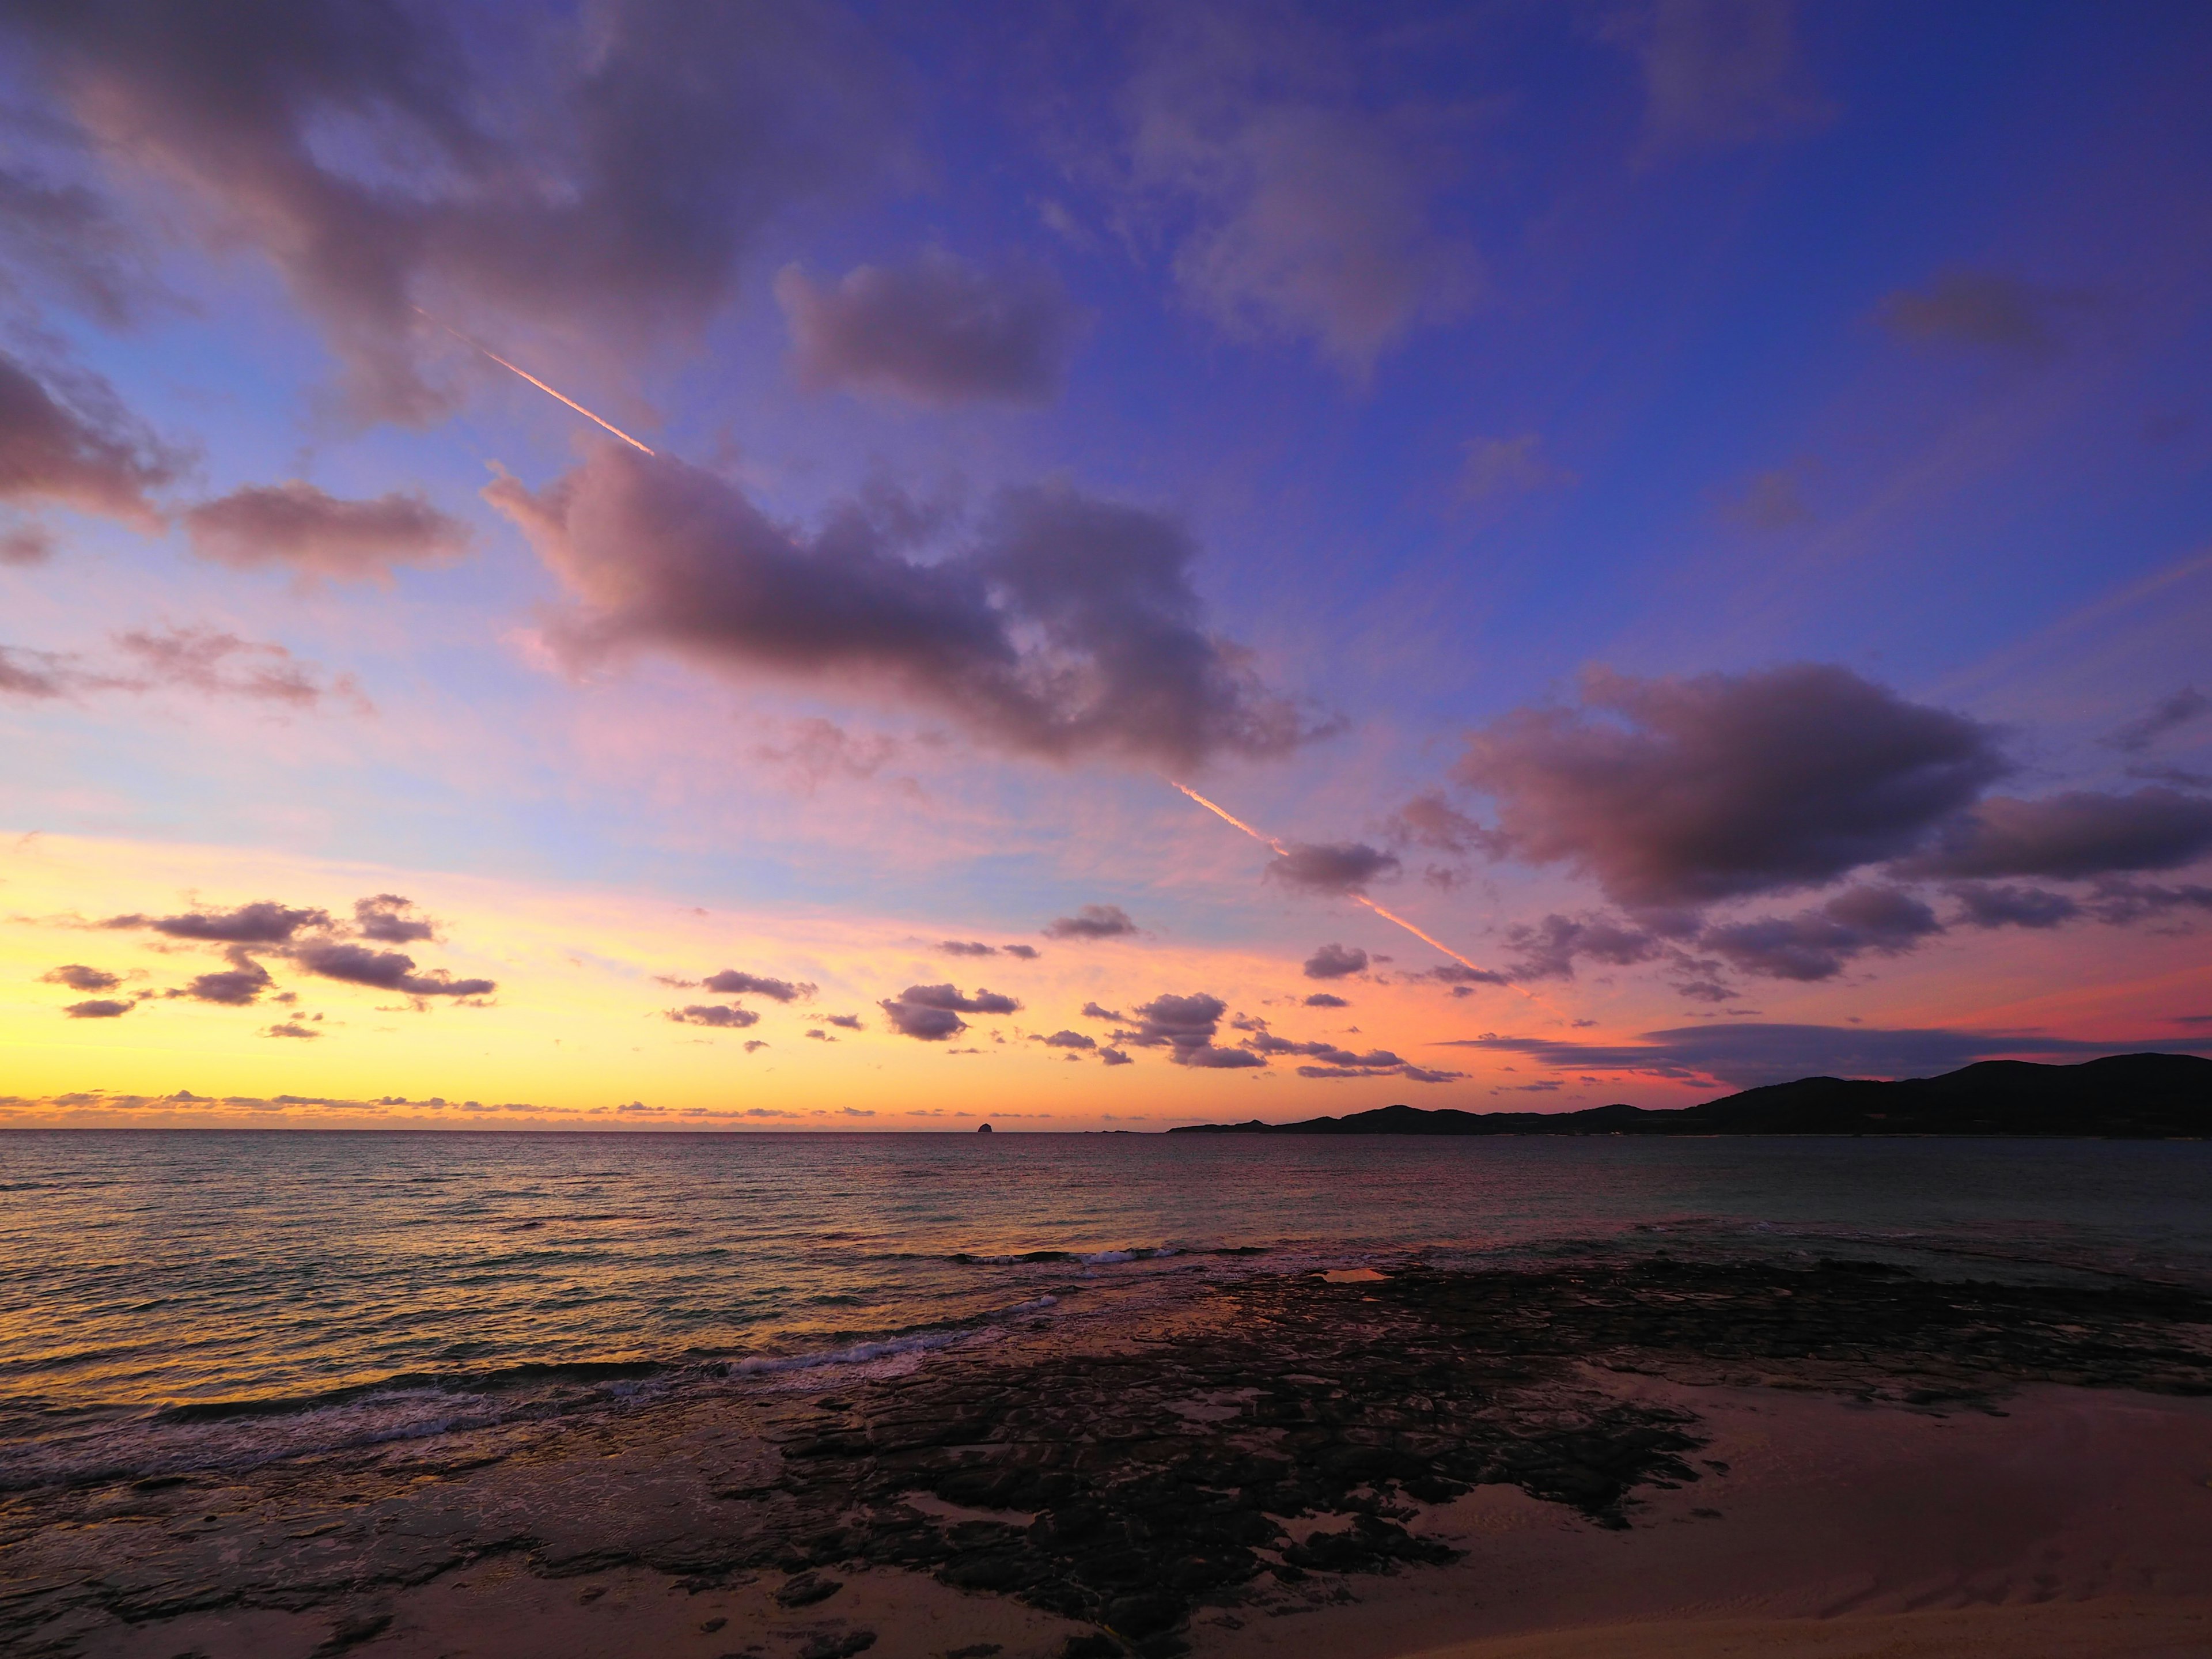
(1282, 850)
(480, 346)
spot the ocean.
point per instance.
(186, 1301)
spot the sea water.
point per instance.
(175, 1300)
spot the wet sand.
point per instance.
(1656, 1458)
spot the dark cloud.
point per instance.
(2181, 776)
(1185, 1026)
(1299, 207)
(1338, 1062)
(27, 543)
(35, 673)
(937, 332)
(1459, 976)
(1692, 790)
(1115, 1057)
(1492, 469)
(1025, 953)
(1770, 502)
(1267, 1042)
(2076, 834)
(385, 971)
(821, 749)
(202, 659)
(65, 440)
(222, 663)
(932, 1012)
(1984, 309)
(236, 986)
(78, 977)
(1092, 1010)
(730, 982)
(1984, 904)
(2166, 716)
(262, 923)
(1432, 822)
(1067, 1040)
(599, 180)
(1092, 921)
(1336, 868)
(391, 920)
(2120, 901)
(298, 527)
(1547, 949)
(953, 947)
(291, 1028)
(1335, 962)
(102, 1009)
(1751, 1055)
(1814, 945)
(1718, 72)
(714, 1014)
(846, 1021)
(64, 239)
(1069, 626)
(819, 1035)
(1325, 1000)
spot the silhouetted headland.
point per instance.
(2136, 1096)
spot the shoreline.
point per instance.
(1380, 1464)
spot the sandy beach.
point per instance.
(1650, 1458)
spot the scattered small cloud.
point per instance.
(78, 977)
(391, 920)
(297, 527)
(2169, 713)
(732, 983)
(1987, 311)
(932, 1013)
(1185, 1026)
(1325, 1000)
(938, 333)
(1335, 962)
(1092, 921)
(1338, 868)
(1718, 72)
(713, 1015)
(1498, 469)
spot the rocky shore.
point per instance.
(1247, 1448)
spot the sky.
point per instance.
(792, 567)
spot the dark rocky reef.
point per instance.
(2134, 1096)
(1122, 1475)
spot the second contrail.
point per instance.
(1282, 850)
(480, 346)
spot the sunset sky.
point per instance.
(1703, 508)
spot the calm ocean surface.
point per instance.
(201, 1299)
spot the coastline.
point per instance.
(1371, 1463)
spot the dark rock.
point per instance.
(806, 1590)
(351, 1631)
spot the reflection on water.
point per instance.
(194, 1279)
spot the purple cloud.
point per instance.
(1678, 793)
(1068, 628)
(297, 527)
(937, 332)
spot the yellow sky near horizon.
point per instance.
(577, 1034)
(578, 1026)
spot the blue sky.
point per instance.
(1460, 351)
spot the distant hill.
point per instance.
(2139, 1096)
